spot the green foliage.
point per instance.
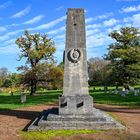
(124, 55)
(35, 48)
(50, 76)
(50, 134)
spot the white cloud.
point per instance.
(60, 45)
(92, 32)
(34, 20)
(134, 20)
(103, 16)
(9, 49)
(48, 25)
(97, 40)
(5, 5)
(22, 13)
(57, 30)
(10, 41)
(31, 21)
(87, 20)
(93, 26)
(8, 35)
(2, 29)
(60, 37)
(117, 27)
(130, 9)
(59, 8)
(110, 22)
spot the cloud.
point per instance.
(110, 22)
(62, 36)
(97, 40)
(34, 20)
(48, 25)
(93, 26)
(59, 8)
(2, 29)
(130, 9)
(5, 5)
(31, 21)
(8, 35)
(103, 16)
(57, 30)
(133, 20)
(9, 49)
(22, 13)
(10, 41)
(92, 32)
(117, 27)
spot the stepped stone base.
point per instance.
(50, 120)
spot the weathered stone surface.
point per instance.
(75, 98)
(75, 68)
(97, 120)
(75, 105)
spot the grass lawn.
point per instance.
(50, 134)
(50, 96)
(12, 102)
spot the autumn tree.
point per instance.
(50, 76)
(35, 48)
(124, 54)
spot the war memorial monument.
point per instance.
(76, 110)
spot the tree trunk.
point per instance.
(33, 87)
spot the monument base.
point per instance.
(50, 120)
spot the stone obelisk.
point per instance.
(75, 98)
(75, 104)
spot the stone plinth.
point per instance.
(75, 105)
(51, 120)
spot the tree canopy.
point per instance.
(124, 54)
(36, 49)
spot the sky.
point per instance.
(49, 17)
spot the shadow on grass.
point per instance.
(116, 109)
(23, 114)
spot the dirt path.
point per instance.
(13, 121)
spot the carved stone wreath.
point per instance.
(75, 55)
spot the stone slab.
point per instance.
(51, 120)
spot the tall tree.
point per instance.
(124, 55)
(35, 48)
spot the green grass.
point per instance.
(50, 134)
(12, 102)
(113, 99)
(51, 96)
